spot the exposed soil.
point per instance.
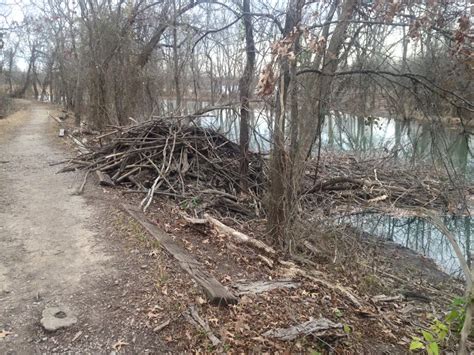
(57, 250)
(85, 253)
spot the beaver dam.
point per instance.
(199, 166)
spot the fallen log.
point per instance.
(245, 287)
(82, 148)
(55, 118)
(80, 189)
(313, 275)
(267, 261)
(192, 220)
(195, 319)
(383, 298)
(339, 289)
(162, 325)
(216, 293)
(104, 179)
(317, 327)
(238, 236)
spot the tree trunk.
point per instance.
(244, 87)
(177, 84)
(279, 189)
(21, 92)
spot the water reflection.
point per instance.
(419, 235)
(410, 142)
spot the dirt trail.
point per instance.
(51, 253)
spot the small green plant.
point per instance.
(226, 347)
(337, 312)
(456, 314)
(432, 339)
(347, 329)
(438, 333)
(188, 204)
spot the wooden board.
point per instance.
(104, 178)
(216, 293)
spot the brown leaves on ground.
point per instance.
(386, 323)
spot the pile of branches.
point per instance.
(162, 156)
(345, 181)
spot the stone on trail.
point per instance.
(54, 318)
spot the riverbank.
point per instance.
(342, 275)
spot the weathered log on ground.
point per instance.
(55, 118)
(216, 293)
(315, 276)
(194, 318)
(339, 289)
(317, 327)
(384, 298)
(80, 189)
(238, 236)
(244, 288)
(104, 179)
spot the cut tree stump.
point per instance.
(104, 178)
(317, 327)
(244, 288)
(216, 293)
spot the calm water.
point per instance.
(410, 142)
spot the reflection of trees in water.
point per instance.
(419, 235)
(408, 140)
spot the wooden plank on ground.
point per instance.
(216, 293)
(104, 178)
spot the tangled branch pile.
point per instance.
(162, 156)
(345, 181)
(165, 157)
